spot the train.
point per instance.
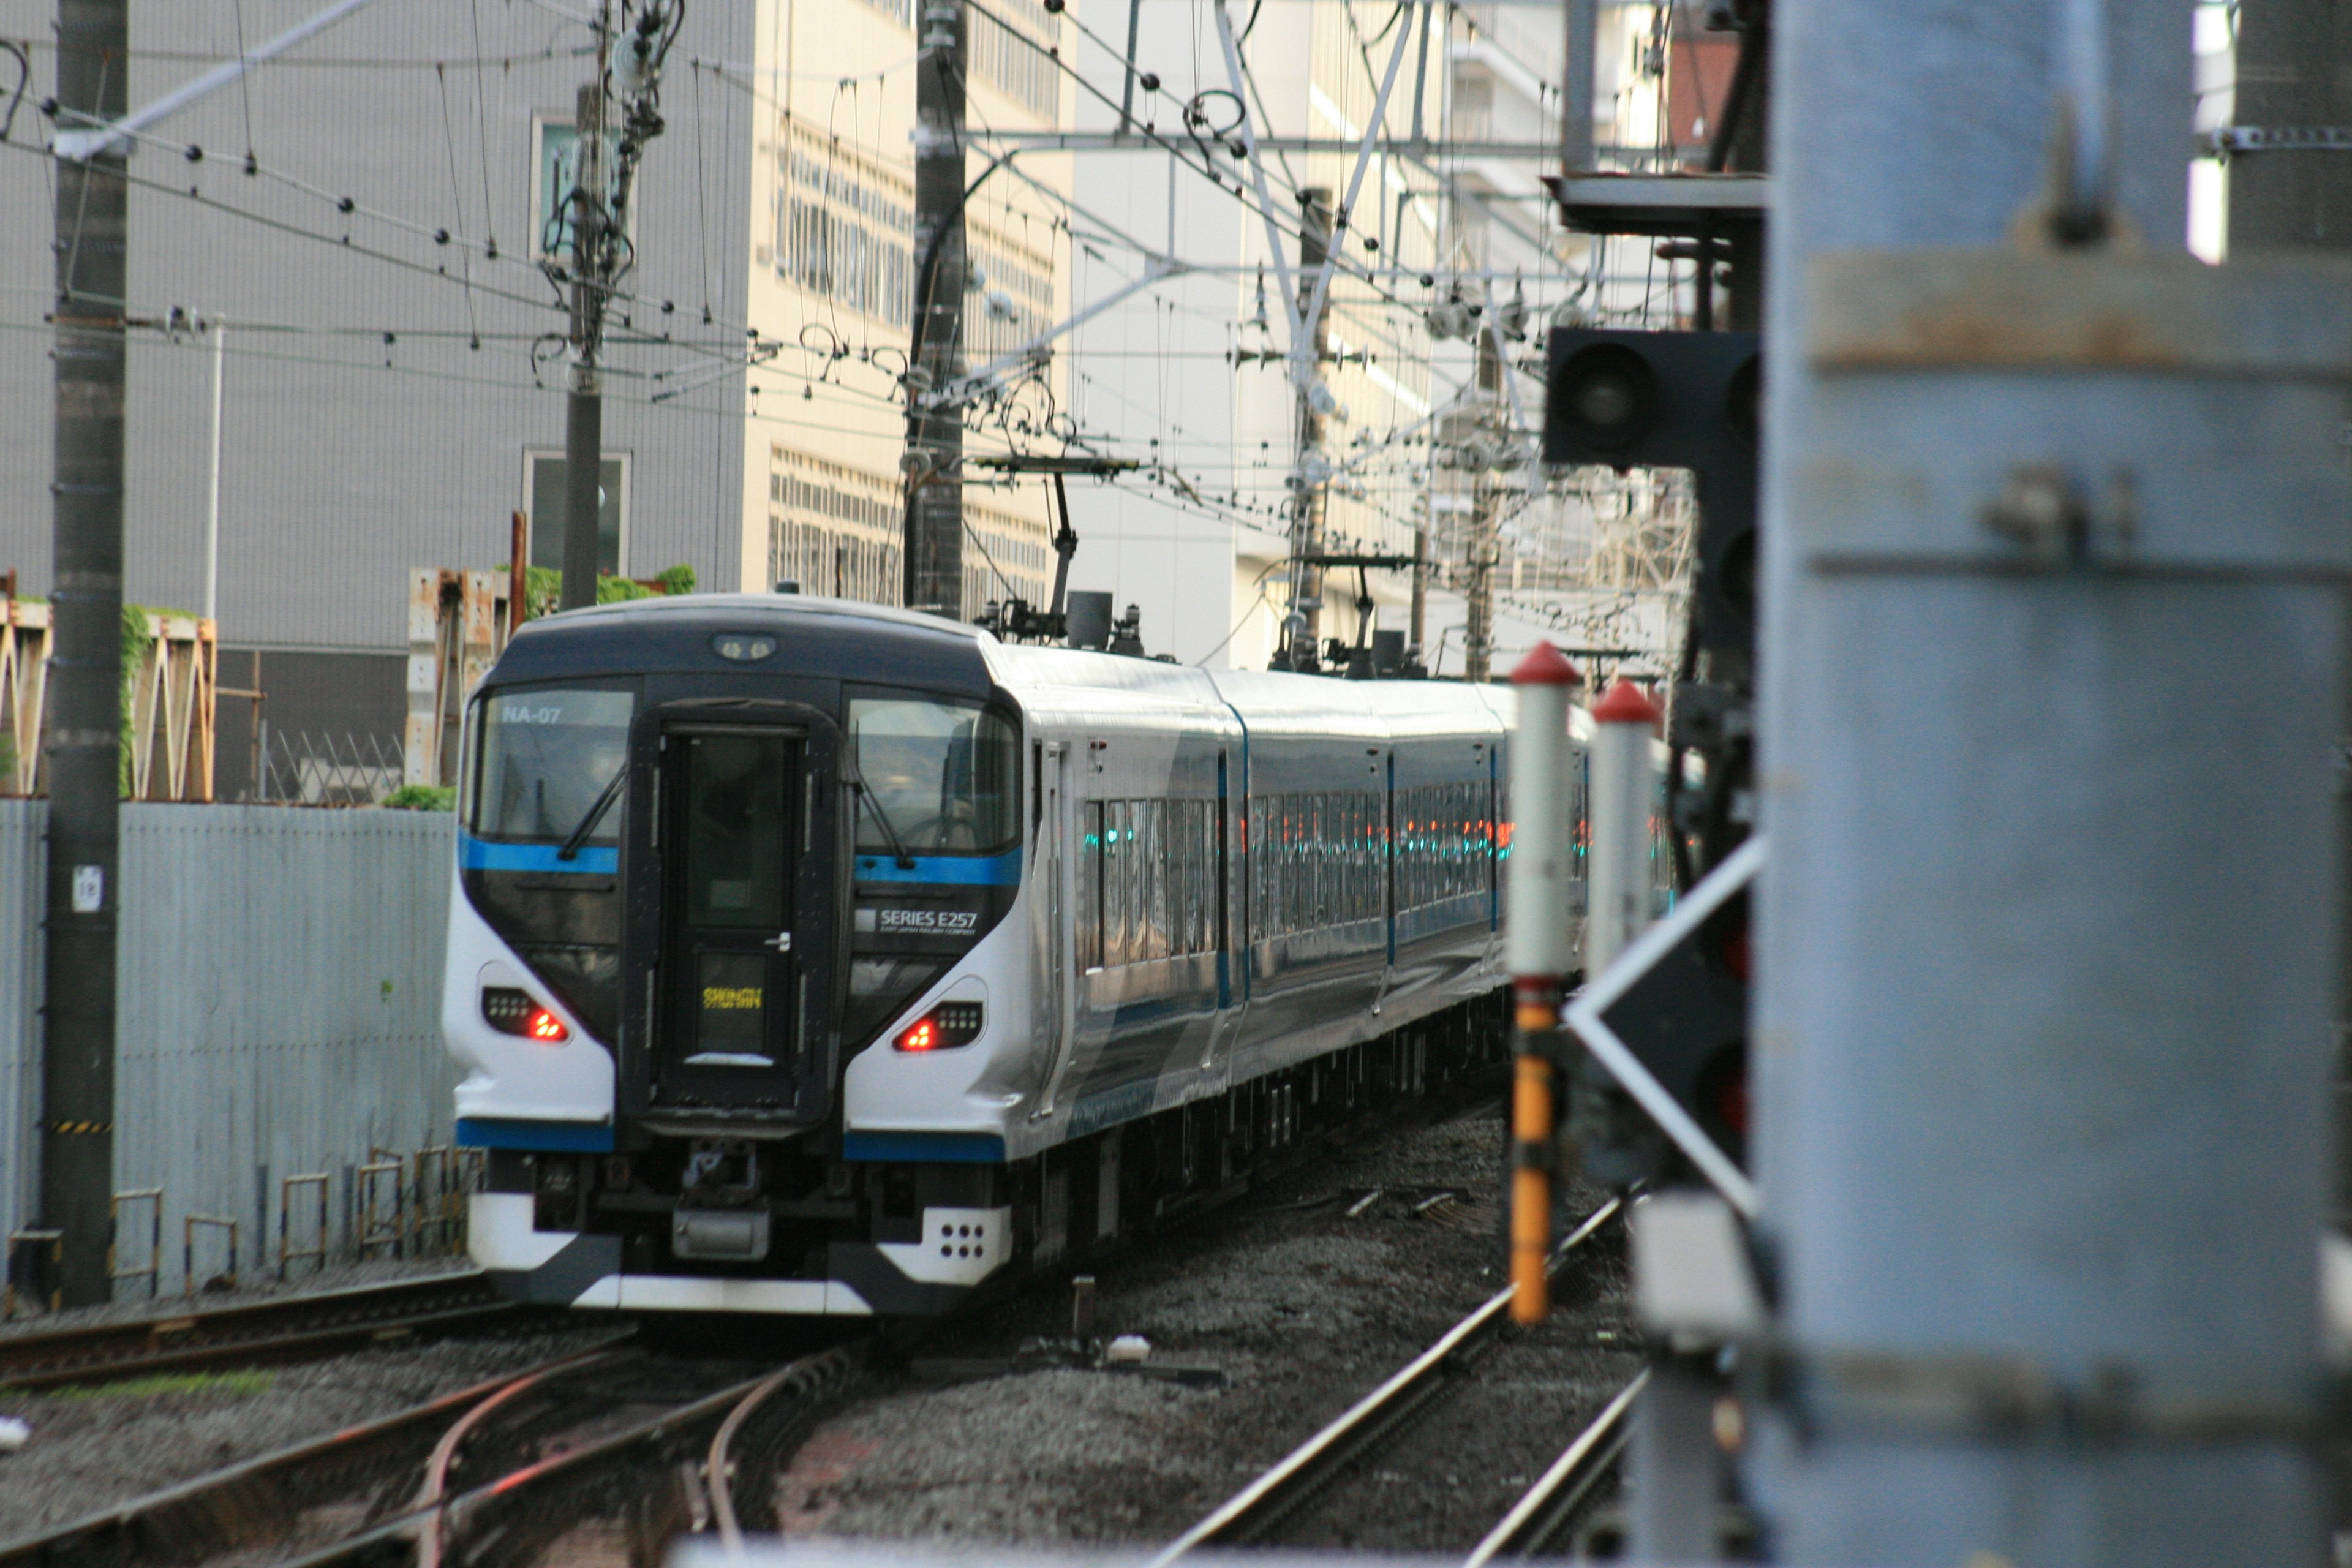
(820, 958)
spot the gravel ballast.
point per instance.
(1305, 1308)
(95, 1446)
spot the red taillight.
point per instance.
(545, 1025)
(945, 1026)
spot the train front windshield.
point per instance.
(542, 856)
(549, 756)
(939, 777)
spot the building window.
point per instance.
(542, 490)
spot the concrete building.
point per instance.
(369, 217)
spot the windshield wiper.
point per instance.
(882, 820)
(571, 850)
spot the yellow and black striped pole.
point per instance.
(1540, 953)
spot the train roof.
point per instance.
(836, 639)
(849, 639)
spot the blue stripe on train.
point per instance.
(481, 855)
(552, 1137)
(957, 1148)
(996, 871)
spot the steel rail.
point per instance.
(1257, 1508)
(1560, 1490)
(281, 1328)
(517, 1515)
(258, 1502)
(720, 1465)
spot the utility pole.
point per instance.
(1310, 477)
(2292, 56)
(626, 95)
(1486, 541)
(583, 422)
(934, 460)
(85, 718)
(2293, 59)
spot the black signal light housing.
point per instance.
(1673, 400)
(1607, 396)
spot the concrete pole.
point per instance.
(2054, 642)
(1543, 864)
(1486, 541)
(84, 731)
(933, 575)
(584, 424)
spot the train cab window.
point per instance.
(543, 810)
(550, 756)
(939, 777)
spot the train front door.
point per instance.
(740, 937)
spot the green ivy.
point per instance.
(422, 798)
(135, 644)
(544, 587)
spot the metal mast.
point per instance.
(85, 717)
(583, 422)
(1486, 541)
(934, 563)
(1310, 474)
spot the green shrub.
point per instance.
(545, 587)
(422, 798)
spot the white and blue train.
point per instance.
(814, 957)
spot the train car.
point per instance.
(814, 957)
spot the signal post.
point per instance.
(1541, 952)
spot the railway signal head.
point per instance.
(1673, 400)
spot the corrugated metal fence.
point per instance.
(278, 1006)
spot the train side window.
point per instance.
(1090, 887)
(1118, 902)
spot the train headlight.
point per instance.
(945, 1026)
(514, 1012)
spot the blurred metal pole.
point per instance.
(2295, 69)
(84, 732)
(1576, 75)
(2044, 953)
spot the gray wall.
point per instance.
(341, 471)
(278, 1001)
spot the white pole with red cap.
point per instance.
(1541, 952)
(1624, 794)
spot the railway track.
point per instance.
(616, 1486)
(1259, 1509)
(285, 1327)
(1560, 1494)
(499, 1473)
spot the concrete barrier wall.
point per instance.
(279, 1007)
